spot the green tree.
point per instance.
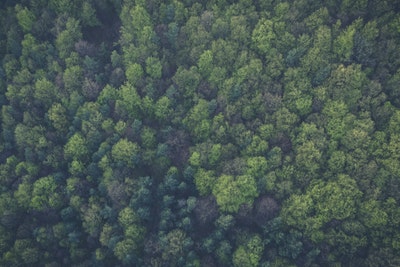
(125, 152)
(76, 148)
(67, 38)
(285, 120)
(257, 167)
(338, 120)
(204, 180)
(46, 194)
(174, 246)
(198, 120)
(124, 250)
(26, 18)
(45, 92)
(129, 103)
(231, 192)
(25, 249)
(308, 157)
(23, 195)
(148, 137)
(347, 84)
(250, 253)
(187, 81)
(323, 202)
(205, 63)
(73, 78)
(163, 109)
(343, 44)
(153, 67)
(27, 137)
(134, 74)
(373, 215)
(58, 117)
(88, 15)
(263, 36)
(92, 218)
(318, 57)
(297, 92)
(127, 217)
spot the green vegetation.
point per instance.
(199, 133)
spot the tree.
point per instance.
(257, 167)
(206, 210)
(125, 152)
(205, 63)
(373, 215)
(285, 120)
(175, 245)
(187, 81)
(347, 84)
(76, 148)
(318, 57)
(337, 161)
(23, 195)
(250, 253)
(265, 208)
(46, 194)
(365, 43)
(197, 121)
(73, 78)
(67, 38)
(89, 15)
(27, 137)
(204, 180)
(148, 137)
(240, 30)
(163, 108)
(134, 74)
(231, 192)
(263, 36)
(45, 92)
(338, 119)
(153, 67)
(343, 44)
(127, 217)
(129, 103)
(25, 249)
(58, 117)
(124, 250)
(324, 202)
(25, 17)
(297, 92)
(308, 157)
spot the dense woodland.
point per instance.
(200, 133)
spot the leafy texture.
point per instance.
(199, 133)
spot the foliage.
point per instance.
(231, 192)
(199, 133)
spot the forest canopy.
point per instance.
(200, 133)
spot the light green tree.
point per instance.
(263, 35)
(46, 194)
(76, 148)
(125, 152)
(58, 117)
(25, 17)
(324, 201)
(231, 192)
(130, 103)
(204, 180)
(249, 254)
(67, 38)
(153, 67)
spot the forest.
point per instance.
(200, 133)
